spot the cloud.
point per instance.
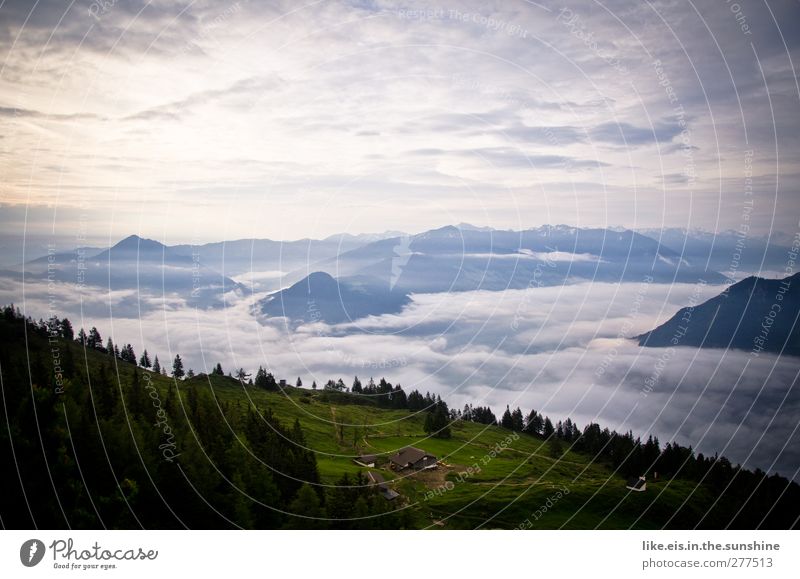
(626, 134)
(512, 157)
(158, 104)
(564, 350)
(14, 112)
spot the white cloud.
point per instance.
(216, 121)
(563, 350)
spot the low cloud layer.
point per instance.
(565, 351)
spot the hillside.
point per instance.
(320, 297)
(504, 488)
(754, 314)
(240, 456)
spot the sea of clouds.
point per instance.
(565, 351)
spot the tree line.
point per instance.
(64, 439)
(105, 443)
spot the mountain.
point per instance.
(469, 227)
(377, 269)
(16, 250)
(362, 238)
(257, 256)
(755, 314)
(149, 267)
(320, 297)
(467, 258)
(728, 251)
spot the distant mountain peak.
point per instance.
(134, 242)
(446, 231)
(365, 237)
(469, 227)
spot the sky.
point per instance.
(204, 121)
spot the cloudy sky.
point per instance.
(199, 121)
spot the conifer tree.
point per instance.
(66, 329)
(144, 361)
(177, 367)
(507, 421)
(94, 340)
(306, 503)
(517, 422)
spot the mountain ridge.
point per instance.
(755, 314)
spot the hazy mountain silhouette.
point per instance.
(754, 313)
(726, 251)
(467, 258)
(145, 265)
(320, 297)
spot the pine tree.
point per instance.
(264, 380)
(437, 422)
(517, 422)
(399, 398)
(415, 401)
(547, 429)
(144, 361)
(306, 503)
(156, 366)
(66, 329)
(534, 424)
(299, 382)
(261, 378)
(569, 430)
(177, 367)
(507, 421)
(94, 340)
(313, 384)
(357, 388)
